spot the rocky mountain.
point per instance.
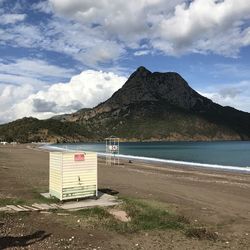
(162, 106)
(156, 106)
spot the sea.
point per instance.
(229, 155)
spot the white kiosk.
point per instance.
(73, 175)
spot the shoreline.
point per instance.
(224, 168)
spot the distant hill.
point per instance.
(30, 129)
(149, 106)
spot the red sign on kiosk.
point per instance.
(79, 157)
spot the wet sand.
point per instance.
(217, 199)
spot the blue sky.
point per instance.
(58, 56)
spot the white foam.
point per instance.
(56, 148)
(142, 158)
(186, 163)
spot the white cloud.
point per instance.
(142, 52)
(175, 27)
(90, 46)
(205, 26)
(97, 32)
(103, 52)
(233, 95)
(43, 6)
(236, 69)
(22, 35)
(21, 78)
(11, 18)
(84, 90)
(33, 68)
(74, 39)
(10, 96)
(126, 21)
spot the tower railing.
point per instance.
(112, 150)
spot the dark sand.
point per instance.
(218, 200)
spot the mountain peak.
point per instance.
(141, 72)
(145, 86)
(142, 69)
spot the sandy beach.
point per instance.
(219, 200)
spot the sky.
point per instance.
(58, 56)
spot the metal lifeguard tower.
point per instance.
(112, 150)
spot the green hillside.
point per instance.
(34, 130)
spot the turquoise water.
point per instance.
(219, 153)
